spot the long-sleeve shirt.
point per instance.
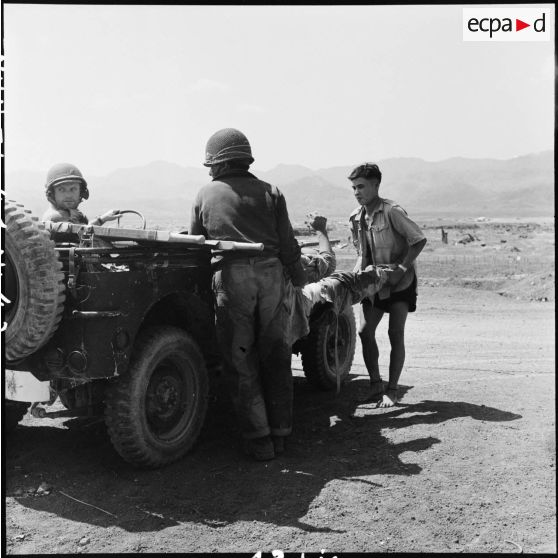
(318, 264)
(238, 206)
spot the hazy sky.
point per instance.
(107, 87)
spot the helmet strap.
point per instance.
(50, 196)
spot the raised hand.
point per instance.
(316, 221)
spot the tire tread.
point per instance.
(121, 407)
(45, 279)
(314, 361)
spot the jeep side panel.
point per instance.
(105, 311)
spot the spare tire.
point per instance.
(34, 283)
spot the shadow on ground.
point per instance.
(215, 484)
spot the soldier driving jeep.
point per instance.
(65, 189)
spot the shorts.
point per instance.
(408, 295)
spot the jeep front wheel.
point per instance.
(154, 412)
(330, 348)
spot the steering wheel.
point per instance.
(124, 211)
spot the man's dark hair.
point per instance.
(368, 171)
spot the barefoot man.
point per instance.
(384, 235)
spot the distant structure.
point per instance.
(444, 236)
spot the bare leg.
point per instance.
(370, 317)
(396, 331)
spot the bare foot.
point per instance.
(375, 394)
(389, 399)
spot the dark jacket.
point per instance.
(238, 206)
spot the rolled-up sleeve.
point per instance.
(318, 265)
(405, 226)
(327, 264)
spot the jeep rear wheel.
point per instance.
(319, 349)
(34, 283)
(154, 412)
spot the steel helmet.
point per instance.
(227, 145)
(65, 172)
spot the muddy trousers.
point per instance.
(251, 326)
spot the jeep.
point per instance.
(121, 322)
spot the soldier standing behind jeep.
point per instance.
(251, 315)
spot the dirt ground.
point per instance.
(465, 463)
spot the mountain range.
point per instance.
(456, 187)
